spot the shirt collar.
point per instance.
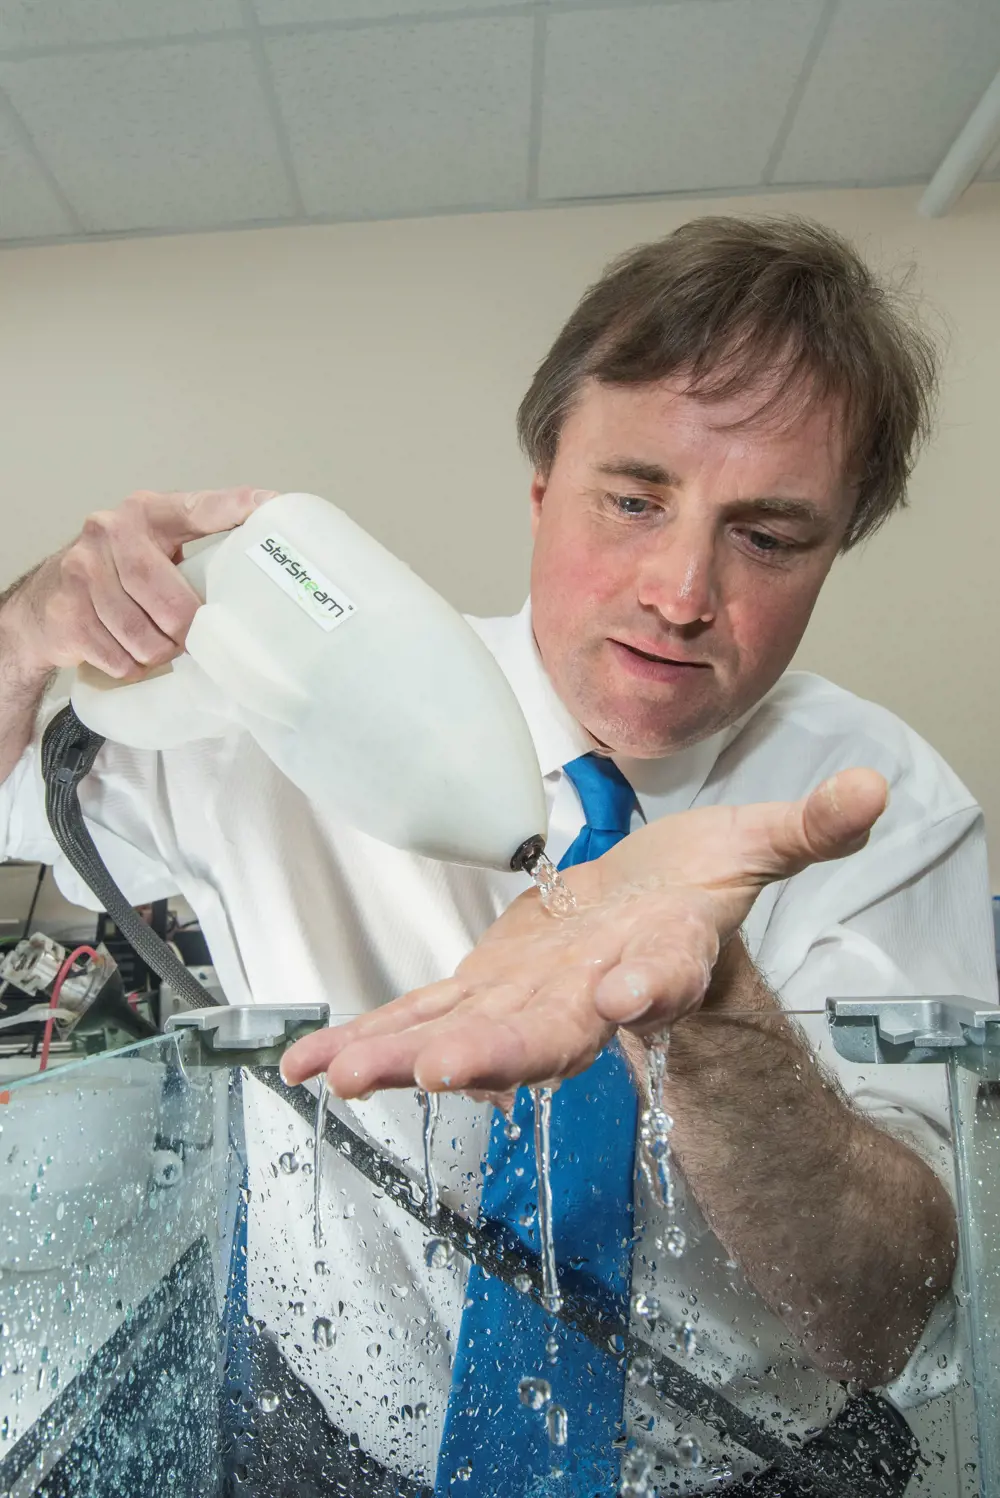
(661, 785)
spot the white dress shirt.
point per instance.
(297, 906)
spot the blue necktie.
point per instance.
(492, 1443)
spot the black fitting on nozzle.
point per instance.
(528, 854)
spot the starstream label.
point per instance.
(325, 603)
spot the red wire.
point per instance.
(61, 977)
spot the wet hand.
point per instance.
(540, 996)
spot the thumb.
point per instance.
(831, 822)
(182, 517)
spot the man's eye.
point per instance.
(766, 544)
(630, 504)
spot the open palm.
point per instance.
(540, 995)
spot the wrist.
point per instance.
(731, 985)
(21, 667)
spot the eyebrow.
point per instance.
(643, 473)
(767, 504)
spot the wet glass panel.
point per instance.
(172, 1305)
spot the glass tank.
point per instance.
(188, 1306)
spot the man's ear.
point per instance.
(539, 484)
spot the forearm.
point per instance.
(22, 683)
(842, 1229)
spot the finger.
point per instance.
(365, 1066)
(151, 579)
(556, 1034)
(93, 643)
(839, 815)
(384, 1059)
(185, 516)
(655, 989)
(665, 967)
(129, 624)
(314, 1053)
(776, 839)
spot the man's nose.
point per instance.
(679, 580)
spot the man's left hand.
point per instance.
(540, 995)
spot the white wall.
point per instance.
(381, 364)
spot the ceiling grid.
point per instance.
(132, 117)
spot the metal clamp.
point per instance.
(248, 1034)
(908, 1030)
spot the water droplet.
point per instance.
(552, 1349)
(646, 1307)
(289, 1162)
(438, 1253)
(61, 1213)
(636, 1474)
(522, 1283)
(374, 1349)
(641, 1369)
(534, 1392)
(557, 1425)
(268, 1402)
(324, 1332)
(297, 1307)
(512, 1130)
(685, 1339)
(321, 1267)
(675, 1241)
(463, 1473)
(420, 1411)
(689, 1452)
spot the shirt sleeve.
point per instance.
(926, 931)
(125, 809)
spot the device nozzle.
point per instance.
(528, 854)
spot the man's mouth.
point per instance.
(660, 657)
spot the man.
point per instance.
(724, 413)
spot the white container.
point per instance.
(369, 691)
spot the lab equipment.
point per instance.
(369, 691)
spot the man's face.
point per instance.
(676, 561)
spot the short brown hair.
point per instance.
(781, 304)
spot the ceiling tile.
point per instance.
(34, 23)
(660, 100)
(175, 137)
(275, 12)
(407, 118)
(28, 209)
(894, 83)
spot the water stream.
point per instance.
(431, 1105)
(321, 1101)
(550, 1297)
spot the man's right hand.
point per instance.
(114, 597)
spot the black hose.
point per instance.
(69, 749)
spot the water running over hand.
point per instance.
(557, 897)
(321, 1101)
(655, 1125)
(550, 1297)
(431, 1103)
